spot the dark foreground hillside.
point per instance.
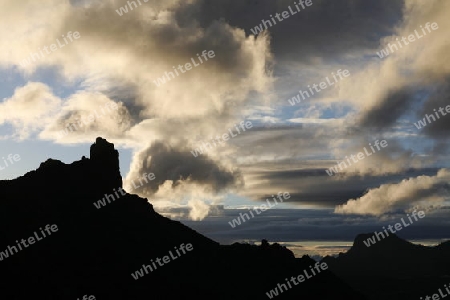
(95, 251)
(394, 269)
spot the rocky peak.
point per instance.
(105, 159)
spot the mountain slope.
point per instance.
(393, 268)
(96, 251)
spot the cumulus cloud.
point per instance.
(34, 108)
(181, 178)
(423, 191)
(199, 210)
(137, 49)
(171, 164)
(30, 109)
(86, 115)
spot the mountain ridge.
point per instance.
(392, 268)
(95, 251)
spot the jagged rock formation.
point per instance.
(106, 161)
(95, 251)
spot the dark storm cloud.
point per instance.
(440, 98)
(404, 101)
(324, 29)
(168, 163)
(389, 109)
(127, 94)
(138, 36)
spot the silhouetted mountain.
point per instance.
(94, 251)
(393, 268)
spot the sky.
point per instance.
(322, 87)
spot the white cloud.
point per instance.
(425, 191)
(92, 114)
(199, 209)
(30, 109)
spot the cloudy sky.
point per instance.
(104, 69)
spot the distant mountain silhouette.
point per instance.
(393, 268)
(95, 251)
